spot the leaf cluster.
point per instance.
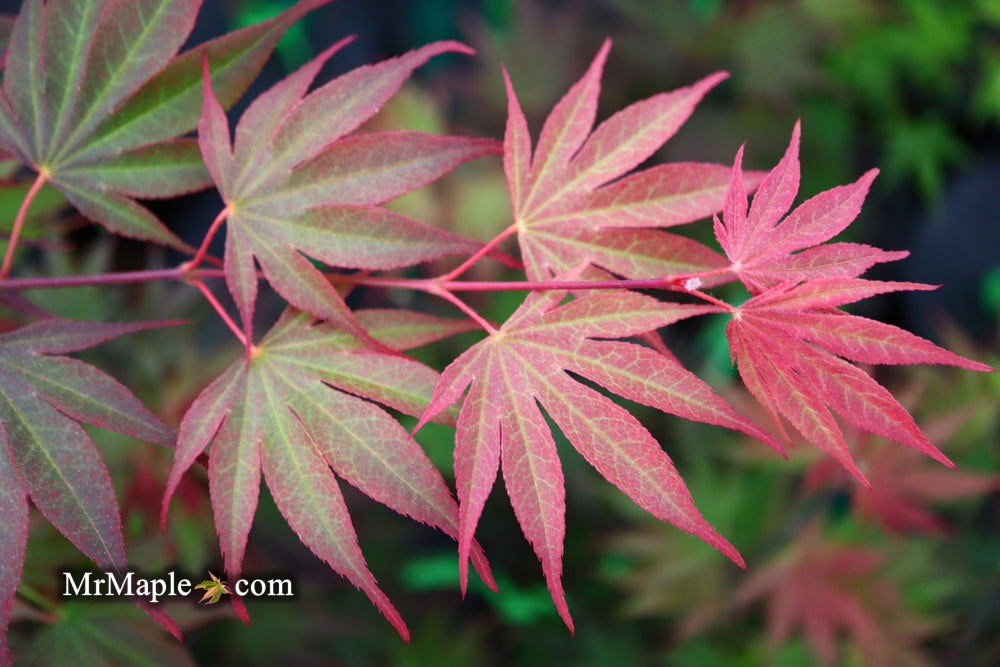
(97, 102)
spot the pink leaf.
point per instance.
(564, 216)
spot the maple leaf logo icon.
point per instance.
(214, 589)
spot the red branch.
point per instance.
(479, 254)
(207, 241)
(222, 312)
(678, 283)
(22, 214)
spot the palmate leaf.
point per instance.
(567, 211)
(102, 633)
(788, 343)
(94, 98)
(904, 487)
(523, 365)
(824, 589)
(214, 589)
(765, 252)
(46, 456)
(293, 183)
(293, 412)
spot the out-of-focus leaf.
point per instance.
(95, 635)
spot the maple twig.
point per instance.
(673, 283)
(120, 277)
(479, 254)
(221, 311)
(682, 277)
(707, 297)
(205, 242)
(22, 214)
(465, 308)
(667, 282)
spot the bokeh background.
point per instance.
(906, 574)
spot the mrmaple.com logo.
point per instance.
(153, 589)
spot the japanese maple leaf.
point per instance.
(564, 207)
(524, 364)
(45, 455)
(293, 411)
(94, 100)
(294, 183)
(904, 486)
(763, 248)
(825, 589)
(214, 589)
(788, 343)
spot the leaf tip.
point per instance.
(711, 81)
(728, 550)
(239, 606)
(738, 160)
(940, 457)
(424, 418)
(455, 47)
(568, 620)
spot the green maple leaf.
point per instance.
(94, 99)
(47, 457)
(294, 415)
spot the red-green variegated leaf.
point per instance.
(13, 538)
(167, 105)
(533, 476)
(632, 253)
(285, 414)
(662, 196)
(373, 168)
(633, 460)
(161, 170)
(830, 260)
(477, 445)
(295, 184)
(565, 130)
(46, 454)
(94, 98)
(406, 329)
(526, 361)
(568, 205)
(213, 137)
(234, 464)
(517, 149)
(789, 394)
(310, 500)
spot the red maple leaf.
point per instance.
(788, 343)
(763, 248)
(824, 589)
(523, 366)
(567, 205)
